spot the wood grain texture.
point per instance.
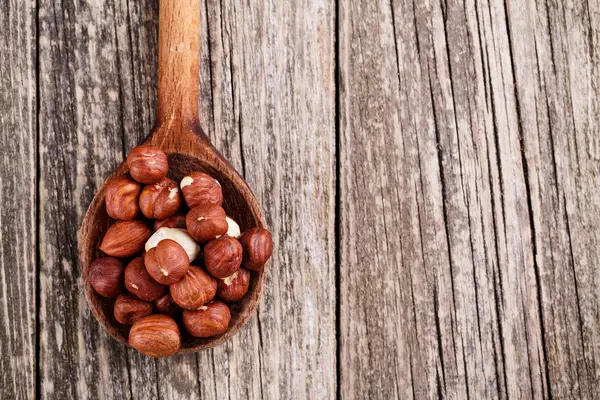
(461, 164)
(18, 175)
(230, 372)
(449, 192)
(266, 59)
(80, 142)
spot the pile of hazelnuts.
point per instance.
(181, 265)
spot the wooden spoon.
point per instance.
(177, 132)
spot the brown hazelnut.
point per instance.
(234, 287)
(140, 283)
(258, 247)
(167, 262)
(160, 200)
(129, 309)
(121, 200)
(212, 319)
(223, 256)
(166, 305)
(155, 336)
(147, 164)
(200, 188)
(125, 238)
(206, 222)
(106, 276)
(194, 289)
(175, 221)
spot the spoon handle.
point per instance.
(178, 64)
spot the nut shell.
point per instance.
(175, 221)
(234, 287)
(206, 222)
(166, 305)
(167, 262)
(125, 238)
(121, 199)
(223, 256)
(258, 248)
(155, 336)
(181, 236)
(106, 276)
(160, 200)
(200, 188)
(129, 309)
(210, 320)
(194, 289)
(140, 283)
(147, 164)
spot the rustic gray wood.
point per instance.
(115, 58)
(430, 171)
(469, 165)
(18, 228)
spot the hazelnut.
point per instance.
(175, 221)
(223, 256)
(205, 222)
(166, 305)
(160, 200)
(234, 287)
(125, 238)
(147, 164)
(210, 320)
(121, 200)
(258, 247)
(140, 283)
(194, 289)
(167, 262)
(200, 188)
(129, 309)
(155, 336)
(181, 236)
(106, 276)
(233, 229)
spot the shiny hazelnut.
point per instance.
(125, 238)
(194, 289)
(223, 256)
(200, 188)
(181, 236)
(147, 164)
(129, 309)
(206, 222)
(175, 221)
(121, 200)
(258, 247)
(167, 262)
(155, 336)
(234, 287)
(160, 200)
(140, 283)
(106, 276)
(166, 305)
(212, 319)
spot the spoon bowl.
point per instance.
(179, 135)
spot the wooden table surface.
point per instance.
(430, 171)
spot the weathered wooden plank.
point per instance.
(81, 140)
(434, 199)
(267, 59)
(557, 80)
(107, 72)
(18, 225)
